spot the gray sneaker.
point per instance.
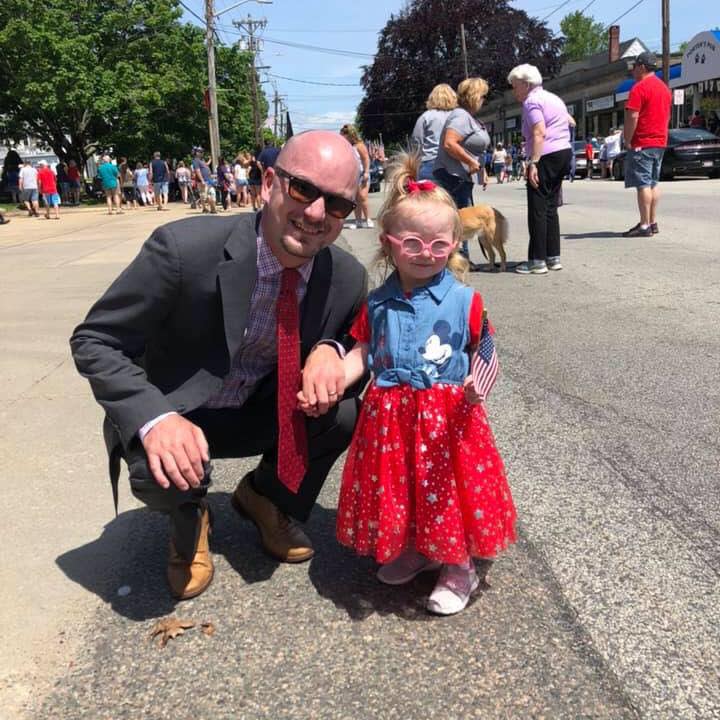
(554, 264)
(404, 568)
(535, 268)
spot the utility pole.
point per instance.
(213, 126)
(250, 26)
(666, 40)
(464, 48)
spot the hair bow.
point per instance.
(423, 185)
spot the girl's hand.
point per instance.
(470, 395)
(306, 407)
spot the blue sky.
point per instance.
(351, 28)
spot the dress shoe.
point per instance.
(189, 579)
(281, 536)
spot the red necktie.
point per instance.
(292, 438)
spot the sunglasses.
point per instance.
(305, 192)
(413, 246)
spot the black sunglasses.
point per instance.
(305, 192)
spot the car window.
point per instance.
(682, 135)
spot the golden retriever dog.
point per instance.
(491, 228)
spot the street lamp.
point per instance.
(213, 124)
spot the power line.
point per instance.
(192, 12)
(620, 17)
(592, 2)
(561, 5)
(313, 82)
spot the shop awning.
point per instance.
(622, 91)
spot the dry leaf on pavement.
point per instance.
(208, 628)
(169, 628)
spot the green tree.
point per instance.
(87, 75)
(420, 47)
(583, 36)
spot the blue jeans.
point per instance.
(426, 170)
(461, 191)
(642, 167)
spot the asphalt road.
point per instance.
(606, 415)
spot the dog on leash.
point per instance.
(491, 228)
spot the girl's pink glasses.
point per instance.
(413, 246)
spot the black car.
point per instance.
(377, 172)
(690, 151)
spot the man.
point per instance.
(203, 181)
(28, 184)
(108, 174)
(268, 155)
(647, 115)
(222, 313)
(160, 178)
(48, 188)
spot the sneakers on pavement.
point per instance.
(534, 268)
(638, 231)
(655, 229)
(405, 568)
(554, 264)
(350, 226)
(453, 589)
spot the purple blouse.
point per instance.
(541, 105)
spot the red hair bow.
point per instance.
(423, 185)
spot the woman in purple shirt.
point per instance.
(545, 127)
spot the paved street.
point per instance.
(606, 415)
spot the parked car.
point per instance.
(690, 151)
(377, 173)
(581, 160)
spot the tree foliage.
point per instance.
(583, 36)
(89, 75)
(421, 47)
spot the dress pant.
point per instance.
(543, 221)
(242, 432)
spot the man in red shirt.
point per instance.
(48, 189)
(647, 115)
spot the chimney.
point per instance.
(613, 43)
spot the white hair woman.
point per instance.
(546, 129)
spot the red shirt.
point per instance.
(651, 98)
(589, 149)
(73, 173)
(47, 181)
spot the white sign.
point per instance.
(510, 123)
(701, 59)
(601, 103)
(679, 96)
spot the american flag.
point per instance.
(484, 365)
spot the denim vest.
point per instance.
(420, 340)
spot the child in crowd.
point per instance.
(423, 487)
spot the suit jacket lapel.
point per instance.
(237, 277)
(315, 307)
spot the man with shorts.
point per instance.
(108, 174)
(203, 180)
(160, 178)
(48, 187)
(28, 184)
(647, 114)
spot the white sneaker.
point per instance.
(369, 223)
(453, 589)
(403, 569)
(350, 226)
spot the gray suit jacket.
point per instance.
(162, 336)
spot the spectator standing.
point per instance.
(697, 120)
(463, 143)
(647, 115)
(10, 177)
(268, 155)
(613, 145)
(142, 183)
(362, 211)
(226, 183)
(241, 181)
(254, 182)
(160, 178)
(429, 126)
(73, 175)
(498, 162)
(109, 174)
(127, 181)
(47, 184)
(204, 182)
(546, 129)
(62, 181)
(589, 153)
(183, 177)
(508, 167)
(28, 183)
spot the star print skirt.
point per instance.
(423, 471)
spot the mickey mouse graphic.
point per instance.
(437, 350)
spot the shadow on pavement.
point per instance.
(591, 235)
(349, 581)
(487, 268)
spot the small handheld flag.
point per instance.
(484, 363)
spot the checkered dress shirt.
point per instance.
(257, 356)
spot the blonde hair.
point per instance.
(402, 168)
(442, 97)
(471, 93)
(350, 133)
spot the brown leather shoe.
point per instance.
(281, 536)
(189, 579)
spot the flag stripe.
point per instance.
(484, 366)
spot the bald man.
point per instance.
(182, 354)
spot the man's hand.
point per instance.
(323, 378)
(176, 450)
(470, 395)
(532, 176)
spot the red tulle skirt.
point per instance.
(423, 471)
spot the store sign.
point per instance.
(679, 96)
(601, 103)
(510, 123)
(701, 59)
(571, 109)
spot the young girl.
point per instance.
(423, 487)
